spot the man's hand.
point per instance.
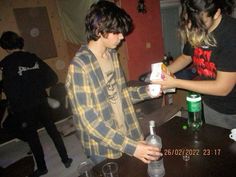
(147, 153)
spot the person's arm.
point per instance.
(180, 63)
(136, 93)
(141, 93)
(222, 86)
(48, 76)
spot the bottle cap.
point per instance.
(152, 123)
(194, 98)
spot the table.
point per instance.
(212, 153)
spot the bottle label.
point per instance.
(194, 106)
(194, 102)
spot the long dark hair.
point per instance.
(196, 33)
(10, 40)
(105, 17)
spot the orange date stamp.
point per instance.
(192, 152)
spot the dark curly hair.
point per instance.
(192, 10)
(105, 17)
(10, 40)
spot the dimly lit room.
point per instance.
(117, 88)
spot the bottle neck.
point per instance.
(152, 132)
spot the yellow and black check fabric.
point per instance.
(92, 111)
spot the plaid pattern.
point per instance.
(92, 111)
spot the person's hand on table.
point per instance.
(147, 153)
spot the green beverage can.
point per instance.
(194, 106)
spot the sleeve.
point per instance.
(80, 94)
(226, 57)
(138, 94)
(47, 75)
(188, 49)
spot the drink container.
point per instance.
(194, 106)
(155, 168)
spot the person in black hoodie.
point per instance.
(25, 78)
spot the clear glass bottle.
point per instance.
(194, 106)
(155, 168)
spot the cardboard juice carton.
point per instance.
(157, 71)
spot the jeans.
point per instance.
(213, 117)
(23, 125)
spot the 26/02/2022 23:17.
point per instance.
(192, 151)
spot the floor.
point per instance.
(16, 150)
(13, 151)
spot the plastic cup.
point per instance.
(186, 157)
(154, 89)
(110, 169)
(85, 169)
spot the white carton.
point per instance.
(157, 72)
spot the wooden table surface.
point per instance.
(212, 153)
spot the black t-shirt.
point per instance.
(24, 80)
(209, 60)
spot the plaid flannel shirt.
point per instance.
(92, 111)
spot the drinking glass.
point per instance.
(110, 169)
(85, 169)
